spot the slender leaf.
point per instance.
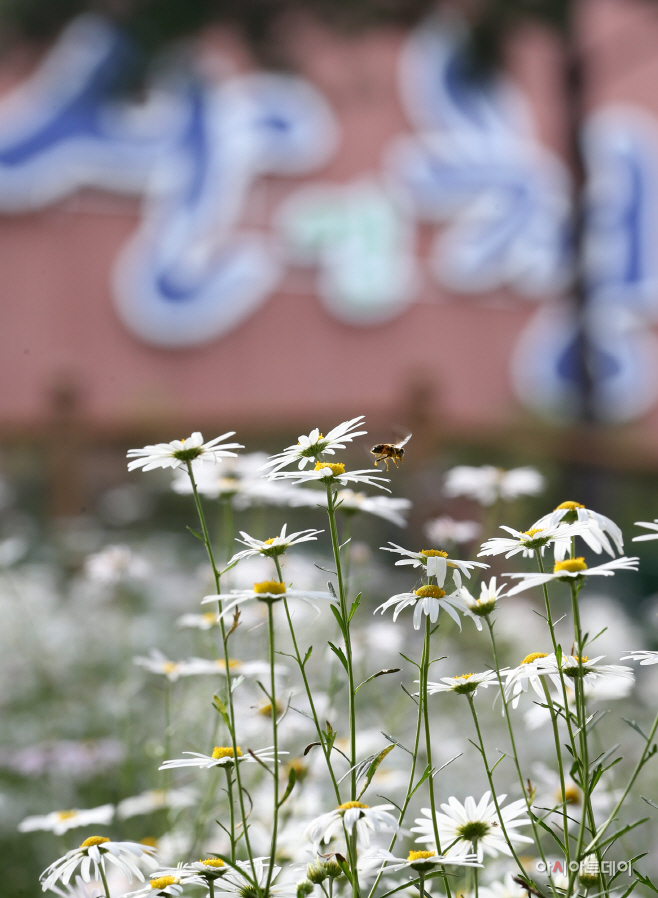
(373, 767)
(339, 654)
(307, 655)
(380, 673)
(292, 779)
(635, 726)
(339, 620)
(395, 742)
(355, 605)
(219, 705)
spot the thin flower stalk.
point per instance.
(424, 676)
(560, 768)
(494, 795)
(515, 756)
(309, 693)
(275, 743)
(229, 689)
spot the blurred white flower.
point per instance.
(206, 621)
(60, 822)
(310, 448)
(648, 525)
(391, 509)
(155, 800)
(114, 564)
(644, 657)
(179, 452)
(487, 484)
(508, 888)
(64, 758)
(446, 530)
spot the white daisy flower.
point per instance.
(155, 800)
(597, 530)
(221, 757)
(464, 684)
(436, 561)
(266, 591)
(572, 569)
(487, 484)
(390, 509)
(237, 480)
(115, 564)
(472, 828)
(334, 473)
(420, 861)
(77, 889)
(648, 525)
(310, 448)
(549, 795)
(446, 530)
(60, 822)
(508, 888)
(528, 542)
(94, 855)
(242, 886)
(488, 601)
(168, 884)
(210, 867)
(207, 621)
(272, 547)
(644, 657)
(210, 666)
(539, 664)
(177, 453)
(428, 600)
(348, 815)
(528, 673)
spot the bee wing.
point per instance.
(403, 442)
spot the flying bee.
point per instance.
(390, 452)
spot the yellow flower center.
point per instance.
(533, 531)
(351, 804)
(163, 881)
(464, 676)
(571, 795)
(213, 862)
(150, 841)
(210, 617)
(569, 505)
(273, 587)
(433, 553)
(233, 663)
(266, 710)
(336, 469)
(66, 815)
(420, 855)
(581, 658)
(573, 565)
(432, 592)
(224, 751)
(533, 657)
(94, 840)
(268, 542)
(169, 667)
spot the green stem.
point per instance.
(424, 676)
(275, 740)
(231, 710)
(348, 642)
(331, 511)
(421, 885)
(410, 786)
(309, 694)
(167, 732)
(231, 809)
(211, 888)
(638, 767)
(501, 822)
(517, 764)
(105, 885)
(560, 767)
